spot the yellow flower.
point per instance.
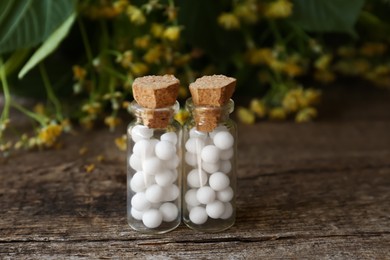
(291, 101)
(120, 5)
(278, 9)
(371, 49)
(89, 167)
(79, 73)
(258, 107)
(292, 69)
(83, 150)
(121, 142)
(135, 15)
(39, 108)
(277, 113)
(323, 62)
(139, 69)
(112, 122)
(245, 115)
(48, 135)
(171, 12)
(247, 11)
(153, 55)
(310, 97)
(66, 125)
(182, 116)
(125, 59)
(183, 92)
(260, 56)
(172, 33)
(157, 30)
(305, 115)
(92, 108)
(87, 122)
(100, 158)
(228, 21)
(142, 42)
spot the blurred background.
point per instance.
(69, 63)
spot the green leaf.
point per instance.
(26, 23)
(49, 45)
(327, 15)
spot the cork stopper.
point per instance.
(155, 93)
(209, 94)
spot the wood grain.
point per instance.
(317, 190)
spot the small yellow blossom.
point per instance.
(135, 15)
(100, 158)
(291, 101)
(66, 125)
(171, 12)
(277, 113)
(49, 134)
(182, 116)
(142, 42)
(258, 107)
(121, 142)
(120, 5)
(310, 97)
(371, 49)
(89, 168)
(306, 114)
(92, 108)
(83, 150)
(292, 69)
(139, 69)
(183, 92)
(87, 122)
(112, 122)
(157, 30)
(229, 21)
(278, 9)
(260, 56)
(125, 59)
(79, 73)
(247, 12)
(39, 108)
(153, 55)
(172, 33)
(4, 147)
(245, 115)
(323, 62)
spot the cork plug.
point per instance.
(156, 94)
(209, 94)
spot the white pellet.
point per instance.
(152, 218)
(170, 137)
(228, 211)
(154, 193)
(169, 211)
(171, 192)
(225, 195)
(219, 181)
(165, 150)
(194, 145)
(205, 195)
(135, 162)
(139, 202)
(190, 198)
(136, 214)
(196, 178)
(223, 140)
(210, 154)
(210, 167)
(198, 215)
(165, 177)
(215, 209)
(226, 166)
(151, 166)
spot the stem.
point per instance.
(30, 114)
(49, 91)
(7, 95)
(114, 73)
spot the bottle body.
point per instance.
(153, 174)
(209, 179)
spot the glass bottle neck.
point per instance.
(154, 117)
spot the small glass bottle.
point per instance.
(209, 179)
(153, 161)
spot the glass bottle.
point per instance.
(154, 169)
(209, 171)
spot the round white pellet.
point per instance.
(223, 140)
(196, 178)
(219, 181)
(169, 211)
(139, 182)
(170, 137)
(228, 211)
(139, 132)
(225, 195)
(173, 163)
(135, 162)
(139, 202)
(210, 167)
(151, 166)
(154, 193)
(190, 158)
(197, 134)
(165, 177)
(205, 195)
(226, 166)
(190, 198)
(226, 154)
(210, 154)
(198, 215)
(171, 192)
(152, 218)
(143, 148)
(165, 150)
(136, 214)
(215, 209)
(218, 129)
(195, 145)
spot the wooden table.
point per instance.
(317, 190)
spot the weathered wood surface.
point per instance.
(318, 190)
